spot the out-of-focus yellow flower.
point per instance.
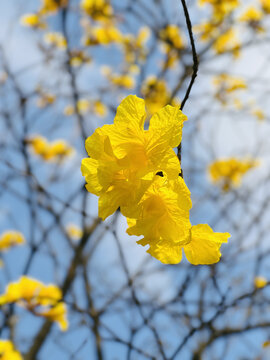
(11, 238)
(79, 57)
(266, 344)
(221, 8)
(265, 4)
(260, 282)
(51, 6)
(33, 20)
(252, 16)
(172, 37)
(207, 30)
(227, 84)
(85, 105)
(100, 10)
(229, 172)
(124, 157)
(58, 314)
(155, 93)
(228, 43)
(49, 151)
(74, 232)
(162, 217)
(33, 294)
(134, 46)
(259, 114)
(171, 60)
(69, 110)
(55, 39)
(102, 35)
(238, 104)
(172, 44)
(8, 351)
(100, 108)
(121, 80)
(45, 99)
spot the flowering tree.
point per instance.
(134, 144)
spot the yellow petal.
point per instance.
(89, 171)
(166, 253)
(166, 126)
(131, 114)
(109, 202)
(204, 246)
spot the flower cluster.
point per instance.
(11, 238)
(49, 151)
(137, 171)
(100, 10)
(37, 20)
(229, 172)
(225, 85)
(8, 352)
(41, 300)
(221, 8)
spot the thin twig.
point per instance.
(195, 66)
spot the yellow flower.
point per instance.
(204, 245)
(252, 17)
(45, 100)
(162, 217)
(155, 93)
(227, 84)
(56, 150)
(69, 110)
(100, 108)
(51, 6)
(100, 10)
(206, 30)
(83, 105)
(58, 313)
(123, 80)
(33, 20)
(102, 35)
(227, 42)
(134, 47)
(229, 172)
(259, 114)
(56, 39)
(221, 8)
(172, 37)
(8, 351)
(11, 238)
(265, 4)
(74, 232)
(260, 282)
(124, 156)
(30, 293)
(79, 57)
(33, 294)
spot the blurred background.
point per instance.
(65, 65)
